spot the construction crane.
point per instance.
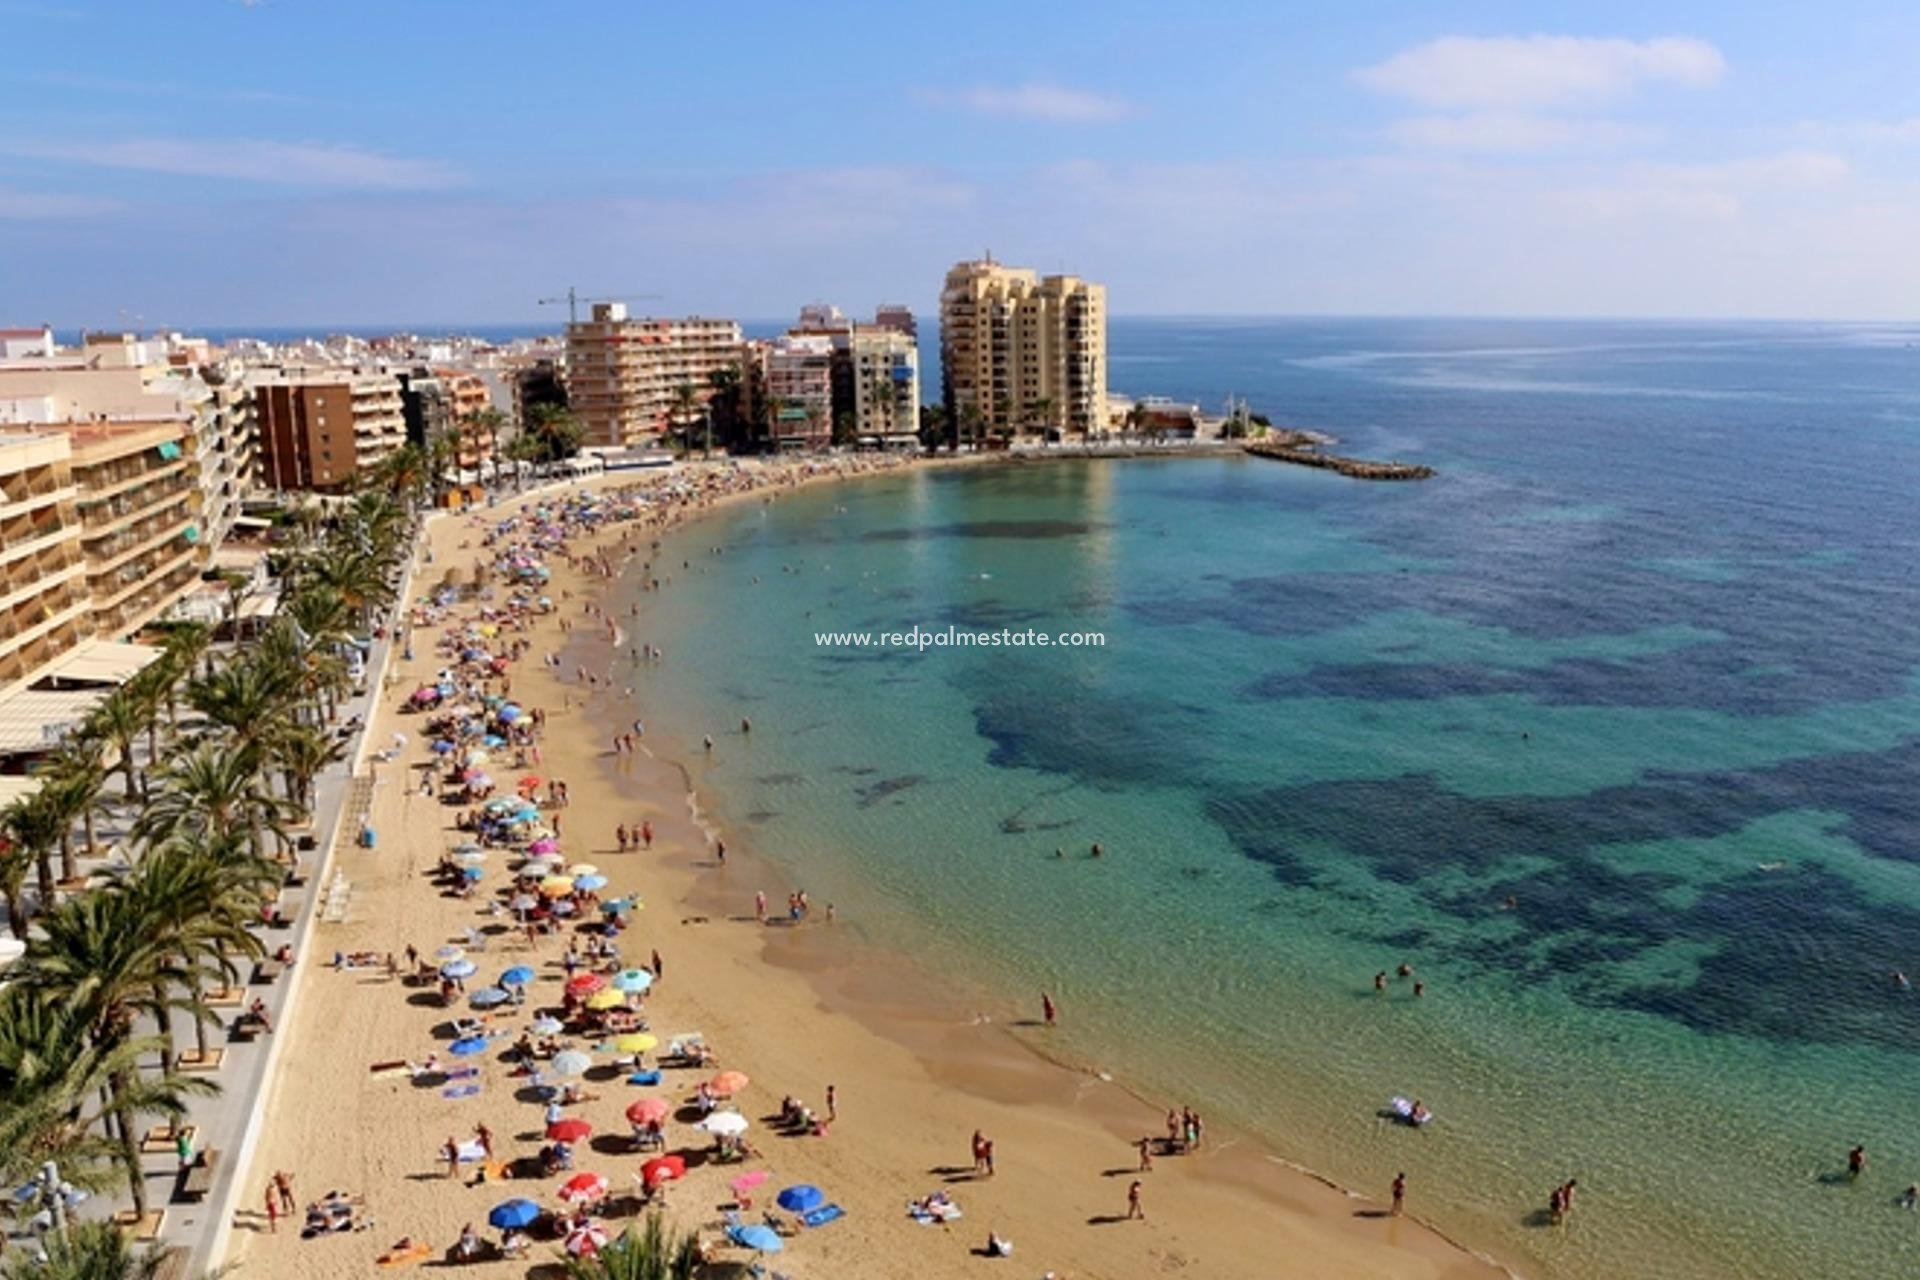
(573, 300)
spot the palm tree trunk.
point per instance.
(43, 868)
(69, 869)
(16, 915)
(129, 1153)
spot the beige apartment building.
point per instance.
(319, 428)
(886, 386)
(139, 510)
(44, 602)
(623, 374)
(1022, 352)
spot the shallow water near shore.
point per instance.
(1640, 662)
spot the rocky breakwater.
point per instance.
(1302, 449)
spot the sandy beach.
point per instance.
(796, 1008)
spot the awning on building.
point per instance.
(36, 720)
(14, 787)
(169, 450)
(103, 662)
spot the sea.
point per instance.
(1610, 732)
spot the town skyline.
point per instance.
(1244, 161)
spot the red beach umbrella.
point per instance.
(662, 1169)
(584, 1187)
(585, 984)
(649, 1110)
(569, 1129)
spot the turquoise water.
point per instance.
(1641, 661)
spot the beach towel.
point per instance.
(644, 1077)
(464, 1073)
(823, 1215)
(460, 1091)
(404, 1257)
(471, 1151)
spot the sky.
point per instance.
(213, 163)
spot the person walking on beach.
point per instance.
(1399, 1192)
(273, 1209)
(1048, 1010)
(1134, 1209)
(658, 968)
(1146, 1154)
(760, 906)
(833, 1111)
(979, 1151)
(283, 1187)
(646, 834)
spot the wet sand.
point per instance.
(796, 1008)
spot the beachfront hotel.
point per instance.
(830, 374)
(43, 588)
(320, 428)
(1022, 352)
(624, 374)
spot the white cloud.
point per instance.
(1782, 169)
(1038, 101)
(300, 164)
(21, 206)
(1539, 70)
(1494, 131)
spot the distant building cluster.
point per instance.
(127, 463)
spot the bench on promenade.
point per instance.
(267, 972)
(197, 1178)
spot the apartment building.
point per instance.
(798, 373)
(319, 428)
(1022, 352)
(44, 602)
(139, 511)
(886, 386)
(624, 374)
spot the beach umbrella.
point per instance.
(557, 886)
(442, 746)
(518, 976)
(530, 781)
(471, 873)
(608, 999)
(457, 969)
(590, 883)
(524, 902)
(649, 1110)
(801, 1197)
(584, 1187)
(511, 1215)
(487, 997)
(635, 1042)
(493, 740)
(571, 1062)
(450, 952)
(614, 906)
(584, 984)
(467, 846)
(728, 1083)
(724, 1124)
(756, 1237)
(508, 714)
(748, 1181)
(564, 907)
(473, 859)
(632, 980)
(662, 1169)
(467, 1047)
(543, 846)
(546, 1025)
(569, 1129)
(587, 1241)
(583, 869)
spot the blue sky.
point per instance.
(213, 162)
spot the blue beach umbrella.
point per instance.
(632, 980)
(468, 1047)
(508, 714)
(458, 969)
(518, 976)
(590, 883)
(511, 1215)
(801, 1197)
(442, 746)
(487, 997)
(756, 1237)
(547, 1026)
(493, 740)
(471, 873)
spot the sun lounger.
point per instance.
(404, 1257)
(823, 1215)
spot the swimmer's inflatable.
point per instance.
(1403, 1107)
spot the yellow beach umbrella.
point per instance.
(583, 869)
(557, 886)
(634, 1041)
(608, 999)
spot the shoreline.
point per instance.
(1059, 1122)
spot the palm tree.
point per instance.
(215, 790)
(185, 645)
(1041, 407)
(34, 825)
(53, 1075)
(118, 720)
(243, 700)
(654, 1254)
(88, 1251)
(107, 955)
(685, 401)
(16, 864)
(200, 894)
(552, 433)
(489, 422)
(303, 752)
